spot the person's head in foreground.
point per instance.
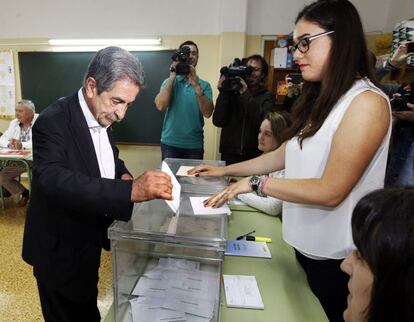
(381, 270)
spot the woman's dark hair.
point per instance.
(383, 232)
(265, 65)
(348, 60)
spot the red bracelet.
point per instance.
(262, 185)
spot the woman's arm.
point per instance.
(263, 164)
(355, 143)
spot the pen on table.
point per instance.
(242, 236)
(259, 239)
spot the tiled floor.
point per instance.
(19, 300)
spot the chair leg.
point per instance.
(2, 197)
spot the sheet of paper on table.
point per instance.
(242, 292)
(182, 171)
(199, 209)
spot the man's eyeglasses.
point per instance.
(303, 44)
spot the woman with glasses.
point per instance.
(335, 152)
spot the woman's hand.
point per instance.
(205, 170)
(229, 193)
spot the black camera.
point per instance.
(233, 73)
(183, 58)
(399, 103)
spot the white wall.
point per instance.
(270, 17)
(107, 18)
(132, 18)
(400, 10)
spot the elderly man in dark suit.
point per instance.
(80, 186)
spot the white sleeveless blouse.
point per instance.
(325, 232)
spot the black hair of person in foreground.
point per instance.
(381, 269)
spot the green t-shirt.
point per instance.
(183, 121)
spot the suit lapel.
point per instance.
(82, 137)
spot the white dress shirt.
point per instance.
(103, 148)
(14, 132)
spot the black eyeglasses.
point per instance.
(303, 44)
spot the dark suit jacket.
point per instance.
(71, 206)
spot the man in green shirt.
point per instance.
(186, 99)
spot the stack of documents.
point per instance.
(175, 290)
(242, 291)
(247, 248)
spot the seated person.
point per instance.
(18, 136)
(269, 139)
(381, 270)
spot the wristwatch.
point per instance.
(255, 182)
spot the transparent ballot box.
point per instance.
(208, 185)
(167, 266)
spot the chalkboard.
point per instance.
(47, 76)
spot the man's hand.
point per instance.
(400, 55)
(220, 82)
(151, 185)
(172, 68)
(243, 89)
(192, 77)
(405, 115)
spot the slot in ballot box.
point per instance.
(207, 185)
(166, 265)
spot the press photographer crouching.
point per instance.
(400, 169)
(241, 106)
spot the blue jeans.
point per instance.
(168, 151)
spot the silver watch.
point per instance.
(255, 183)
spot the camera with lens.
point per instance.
(399, 103)
(182, 56)
(233, 73)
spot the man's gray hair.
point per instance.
(113, 64)
(28, 103)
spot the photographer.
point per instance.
(187, 98)
(240, 113)
(401, 157)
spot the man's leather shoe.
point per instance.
(23, 201)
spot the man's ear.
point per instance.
(90, 87)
